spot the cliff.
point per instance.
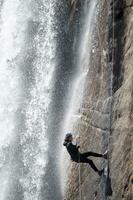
(107, 108)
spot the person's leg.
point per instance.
(86, 160)
(92, 165)
(90, 153)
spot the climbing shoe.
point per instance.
(100, 172)
(105, 155)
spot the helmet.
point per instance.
(68, 135)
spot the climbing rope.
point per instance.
(111, 72)
(80, 191)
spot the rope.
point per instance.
(111, 71)
(80, 191)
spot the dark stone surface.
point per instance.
(95, 109)
(116, 28)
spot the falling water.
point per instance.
(34, 140)
(12, 40)
(27, 65)
(38, 80)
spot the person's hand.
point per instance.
(77, 140)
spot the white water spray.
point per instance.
(11, 40)
(34, 153)
(15, 17)
(13, 22)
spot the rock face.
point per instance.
(122, 116)
(107, 109)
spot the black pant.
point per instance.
(83, 158)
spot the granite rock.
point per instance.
(103, 107)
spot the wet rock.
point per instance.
(99, 108)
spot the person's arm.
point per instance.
(78, 142)
(65, 143)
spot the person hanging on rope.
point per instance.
(78, 157)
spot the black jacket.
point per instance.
(72, 150)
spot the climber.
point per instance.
(78, 157)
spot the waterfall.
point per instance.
(27, 64)
(34, 140)
(14, 18)
(41, 93)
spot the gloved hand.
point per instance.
(77, 141)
